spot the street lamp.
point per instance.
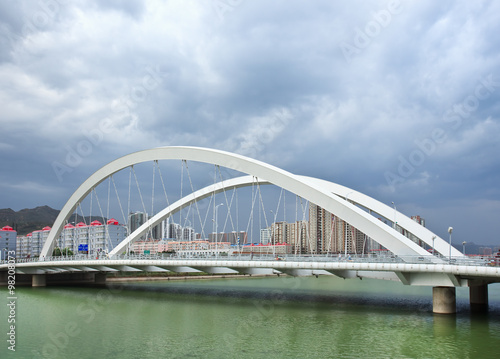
(216, 211)
(273, 233)
(450, 229)
(433, 239)
(463, 245)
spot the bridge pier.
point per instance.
(478, 298)
(100, 279)
(39, 280)
(444, 300)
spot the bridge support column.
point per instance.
(478, 297)
(444, 300)
(38, 280)
(100, 279)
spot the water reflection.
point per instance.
(253, 318)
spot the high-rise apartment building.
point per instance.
(238, 238)
(79, 239)
(135, 220)
(8, 237)
(279, 233)
(297, 234)
(265, 235)
(330, 234)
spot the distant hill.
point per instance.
(28, 220)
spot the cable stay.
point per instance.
(125, 220)
(228, 204)
(202, 224)
(140, 195)
(250, 218)
(163, 186)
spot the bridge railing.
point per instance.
(217, 256)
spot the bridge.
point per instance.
(407, 260)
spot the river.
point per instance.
(270, 317)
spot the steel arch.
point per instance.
(313, 191)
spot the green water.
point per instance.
(310, 317)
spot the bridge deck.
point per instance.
(430, 274)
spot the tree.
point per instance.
(57, 252)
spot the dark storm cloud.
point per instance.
(343, 91)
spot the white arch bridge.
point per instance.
(409, 263)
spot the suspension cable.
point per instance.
(228, 205)
(129, 192)
(119, 202)
(153, 189)
(250, 218)
(109, 190)
(106, 235)
(140, 194)
(90, 212)
(196, 202)
(182, 183)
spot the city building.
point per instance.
(22, 246)
(135, 220)
(485, 251)
(279, 233)
(238, 238)
(79, 239)
(171, 230)
(265, 235)
(8, 239)
(297, 233)
(37, 240)
(330, 234)
(414, 238)
(267, 249)
(201, 247)
(188, 234)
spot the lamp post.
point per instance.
(463, 246)
(450, 229)
(433, 239)
(273, 225)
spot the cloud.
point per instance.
(266, 79)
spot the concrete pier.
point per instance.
(444, 300)
(478, 297)
(38, 280)
(100, 279)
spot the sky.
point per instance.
(396, 99)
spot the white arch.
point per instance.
(313, 192)
(440, 245)
(372, 204)
(183, 202)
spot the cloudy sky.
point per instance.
(399, 100)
